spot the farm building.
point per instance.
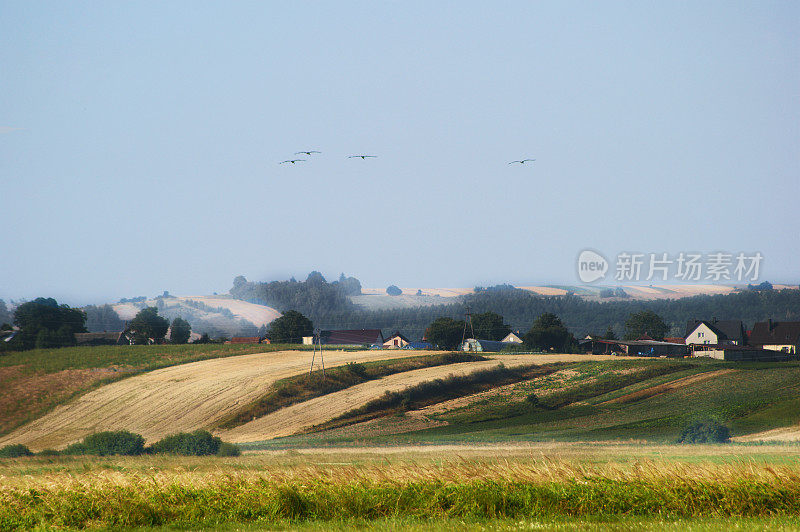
(654, 348)
(715, 332)
(102, 338)
(482, 346)
(353, 337)
(777, 336)
(419, 345)
(639, 348)
(739, 353)
(396, 341)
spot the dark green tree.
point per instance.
(645, 322)
(43, 322)
(548, 333)
(349, 286)
(102, 319)
(5, 315)
(445, 333)
(290, 328)
(180, 332)
(392, 290)
(609, 335)
(148, 325)
(490, 326)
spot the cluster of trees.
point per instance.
(447, 332)
(44, 323)
(520, 308)
(548, 332)
(313, 297)
(102, 319)
(147, 326)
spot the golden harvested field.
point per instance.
(179, 398)
(197, 395)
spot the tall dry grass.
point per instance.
(146, 491)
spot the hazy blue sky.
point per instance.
(150, 134)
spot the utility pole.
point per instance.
(317, 341)
(467, 318)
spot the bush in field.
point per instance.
(197, 443)
(228, 449)
(705, 432)
(14, 451)
(114, 442)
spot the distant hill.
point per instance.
(215, 315)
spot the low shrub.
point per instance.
(14, 451)
(705, 432)
(197, 443)
(228, 449)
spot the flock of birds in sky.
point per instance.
(365, 157)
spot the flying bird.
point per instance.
(362, 156)
(306, 152)
(292, 161)
(523, 161)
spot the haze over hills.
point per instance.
(250, 307)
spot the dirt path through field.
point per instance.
(179, 398)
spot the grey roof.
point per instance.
(726, 329)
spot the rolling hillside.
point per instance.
(216, 315)
(575, 398)
(178, 398)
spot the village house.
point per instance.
(715, 332)
(396, 341)
(512, 338)
(777, 336)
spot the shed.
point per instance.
(482, 346)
